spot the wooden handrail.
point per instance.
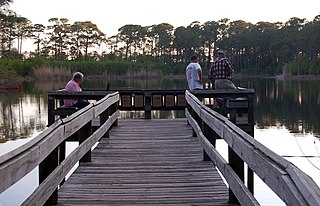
(130, 100)
(235, 183)
(19, 162)
(292, 185)
(46, 188)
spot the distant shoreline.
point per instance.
(181, 76)
(280, 77)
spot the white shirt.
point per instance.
(193, 77)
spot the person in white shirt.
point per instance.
(194, 74)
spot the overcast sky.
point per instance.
(109, 16)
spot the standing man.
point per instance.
(194, 74)
(74, 86)
(222, 72)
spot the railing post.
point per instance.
(84, 133)
(235, 161)
(62, 155)
(204, 129)
(147, 105)
(46, 167)
(193, 115)
(52, 160)
(103, 118)
(210, 135)
(237, 165)
(62, 146)
(250, 180)
(114, 109)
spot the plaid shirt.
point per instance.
(221, 69)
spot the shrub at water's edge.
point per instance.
(302, 66)
(9, 78)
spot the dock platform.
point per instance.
(146, 162)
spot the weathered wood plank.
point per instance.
(153, 162)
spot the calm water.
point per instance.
(287, 115)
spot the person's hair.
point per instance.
(77, 75)
(194, 58)
(221, 52)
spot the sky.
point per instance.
(109, 16)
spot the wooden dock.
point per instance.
(146, 162)
(153, 161)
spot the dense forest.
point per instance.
(269, 48)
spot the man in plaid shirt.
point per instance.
(222, 72)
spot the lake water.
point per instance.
(287, 120)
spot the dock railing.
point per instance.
(130, 100)
(292, 185)
(43, 150)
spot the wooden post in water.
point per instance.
(51, 107)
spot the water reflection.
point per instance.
(292, 104)
(21, 115)
(47, 85)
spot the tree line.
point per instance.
(261, 48)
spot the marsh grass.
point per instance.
(142, 73)
(46, 72)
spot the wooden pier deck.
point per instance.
(152, 161)
(146, 162)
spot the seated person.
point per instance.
(74, 86)
(222, 73)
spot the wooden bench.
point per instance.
(238, 103)
(64, 111)
(238, 109)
